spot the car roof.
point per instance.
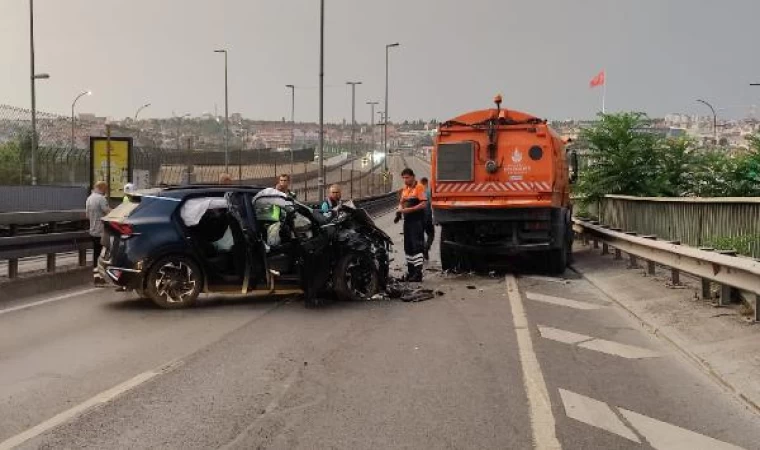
(195, 189)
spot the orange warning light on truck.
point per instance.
(501, 185)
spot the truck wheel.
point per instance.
(356, 277)
(558, 259)
(174, 282)
(451, 260)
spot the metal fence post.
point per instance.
(706, 290)
(13, 263)
(51, 256)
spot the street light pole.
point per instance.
(715, 120)
(372, 144)
(73, 105)
(292, 122)
(353, 129)
(139, 110)
(33, 78)
(321, 187)
(353, 115)
(226, 115)
(385, 129)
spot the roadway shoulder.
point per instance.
(718, 340)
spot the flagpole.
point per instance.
(604, 91)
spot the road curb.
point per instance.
(44, 284)
(675, 343)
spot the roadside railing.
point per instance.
(725, 268)
(47, 233)
(715, 222)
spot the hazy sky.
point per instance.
(660, 55)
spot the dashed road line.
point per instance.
(49, 300)
(104, 397)
(559, 301)
(660, 435)
(541, 416)
(598, 345)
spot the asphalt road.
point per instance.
(498, 362)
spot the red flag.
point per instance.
(597, 80)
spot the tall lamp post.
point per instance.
(33, 78)
(321, 179)
(73, 105)
(139, 110)
(372, 143)
(226, 114)
(292, 122)
(715, 119)
(385, 128)
(353, 85)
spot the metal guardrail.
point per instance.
(694, 221)
(378, 204)
(41, 233)
(724, 268)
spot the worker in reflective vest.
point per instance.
(412, 208)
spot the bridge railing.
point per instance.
(699, 222)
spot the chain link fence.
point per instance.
(176, 151)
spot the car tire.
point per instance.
(174, 282)
(356, 277)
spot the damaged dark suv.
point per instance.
(171, 245)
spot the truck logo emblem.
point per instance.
(516, 156)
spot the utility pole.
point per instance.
(321, 179)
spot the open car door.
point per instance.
(255, 273)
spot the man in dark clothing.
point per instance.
(428, 226)
(412, 208)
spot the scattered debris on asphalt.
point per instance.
(471, 287)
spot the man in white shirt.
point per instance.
(97, 208)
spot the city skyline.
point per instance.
(540, 62)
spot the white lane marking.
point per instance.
(540, 407)
(566, 337)
(595, 413)
(99, 399)
(559, 301)
(665, 436)
(598, 345)
(618, 349)
(48, 300)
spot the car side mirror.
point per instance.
(573, 165)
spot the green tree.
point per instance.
(10, 163)
(622, 158)
(678, 162)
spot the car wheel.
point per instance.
(174, 282)
(356, 277)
